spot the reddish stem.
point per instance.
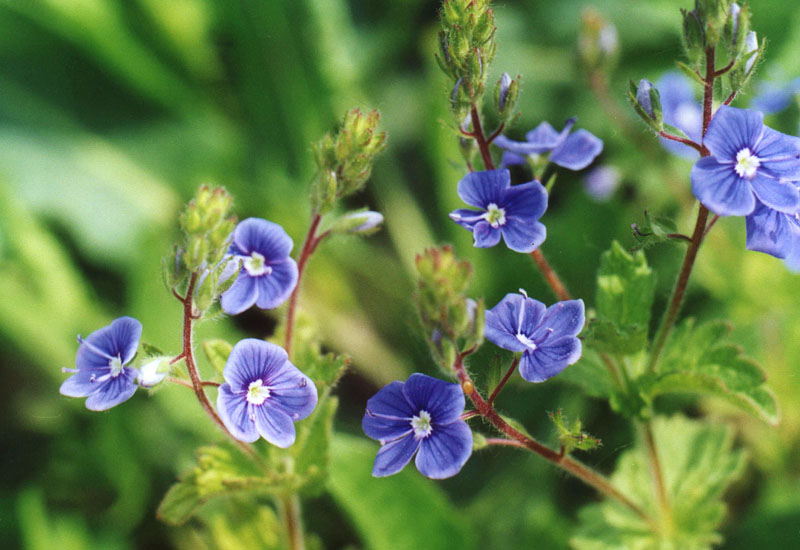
(189, 384)
(483, 145)
(505, 442)
(496, 133)
(550, 275)
(688, 142)
(310, 244)
(502, 382)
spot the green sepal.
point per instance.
(655, 230)
(691, 73)
(217, 352)
(479, 441)
(572, 437)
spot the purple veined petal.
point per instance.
(578, 150)
(113, 391)
(240, 296)
(544, 138)
(485, 235)
(293, 392)
(530, 317)
(252, 359)
(770, 231)
(527, 201)
(518, 148)
(393, 457)
(445, 451)
(119, 339)
(388, 414)
(466, 218)
(80, 384)
(444, 401)
(562, 319)
(275, 288)
(719, 188)
(732, 130)
(232, 410)
(549, 359)
(502, 323)
(385, 429)
(523, 236)
(274, 425)
(262, 236)
(793, 255)
(776, 194)
(480, 189)
(511, 159)
(779, 154)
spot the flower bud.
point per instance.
(153, 372)
(643, 97)
(694, 40)
(750, 48)
(364, 222)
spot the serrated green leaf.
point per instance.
(590, 374)
(625, 290)
(571, 437)
(698, 463)
(699, 359)
(217, 352)
(241, 523)
(604, 336)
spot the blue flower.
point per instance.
(573, 151)
(680, 109)
(512, 212)
(263, 394)
(773, 97)
(601, 182)
(773, 232)
(748, 162)
(101, 374)
(268, 275)
(547, 337)
(421, 414)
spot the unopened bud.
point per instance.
(153, 372)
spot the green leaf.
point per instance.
(311, 450)
(605, 336)
(402, 511)
(625, 287)
(217, 352)
(325, 369)
(590, 374)
(698, 463)
(572, 437)
(699, 359)
(655, 230)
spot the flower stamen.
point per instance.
(747, 163)
(495, 215)
(422, 424)
(257, 393)
(256, 265)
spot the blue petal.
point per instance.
(731, 130)
(531, 319)
(512, 159)
(771, 98)
(480, 189)
(518, 148)
(113, 391)
(240, 296)
(779, 154)
(267, 238)
(80, 384)
(544, 138)
(445, 451)
(562, 319)
(770, 231)
(549, 359)
(388, 414)
(502, 323)
(527, 201)
(525, 237)
(466, 218)
(292, 392)
(274, 425)
(779, 195)
(232, 409)
(485, 235)
(276, 287)
(720, 189)
(578, 150)
(252, 359)
(443, 400)
(119, 339)
(393, 457)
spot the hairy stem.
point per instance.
(309, 246)
(479, 136)
(550, 275)
(290, 512)
(502, 382)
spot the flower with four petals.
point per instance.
(572, 151)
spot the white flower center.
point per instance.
(256, 266)
(526, 341)
(746, 164)
(257, 393)
(494, 215)
(422, 424)
(116, 366)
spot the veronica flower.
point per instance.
(267, 275)
(263, 394)
(681, 109)
(547, 337)
(773, 232)
(749, 162)
(572, 151)
(504, 210)
(101, 374)
(421, 415)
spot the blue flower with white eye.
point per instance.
(101, 375)
(572, 151)
(263, 394)
(681, 109)
(267, 275)
(749, 163)
(546, 336)
(421, 415)
(512, 212)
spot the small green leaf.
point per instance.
(604, 336)
(311, 450)
(655, 230)
(217, 352)
(590, 374)
(149, 350)
(572, 437)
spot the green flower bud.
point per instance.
(694, 40)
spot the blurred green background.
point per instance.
(112, 112)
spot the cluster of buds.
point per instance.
(466, 48)
(452, 321)
(720, 22)
(345, 158)
(207, 224)
(506, 93)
